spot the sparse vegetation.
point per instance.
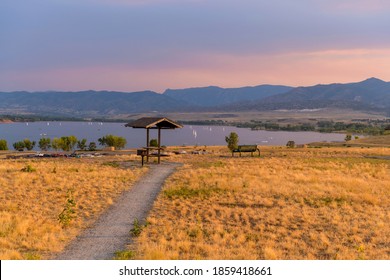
(112, 164)
(124, 255)
(69, 211)
(329, 203)
(31, 226)
(137, 228)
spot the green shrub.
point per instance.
(113, 141)
(25, 144)
(92, 146)
(18, 146)
(65, 143)
(125, 255)
(137, 228)
(153, 143)
(82, 144)
(44, 144)
(232, 141)
(112, 164)
(28, 169)
(28, 144)
(185, 192)
(3, 145)
(290, 144)
(68, 213)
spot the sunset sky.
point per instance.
(133, 45)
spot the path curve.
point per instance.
(110, 233)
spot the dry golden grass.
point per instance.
(31, 202)
(368, 141)
(329, 203)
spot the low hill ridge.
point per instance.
(370, 94)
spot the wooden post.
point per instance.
(147, 145)
(159, 144)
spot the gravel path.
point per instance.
(111, 232)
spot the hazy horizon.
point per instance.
(190, 87)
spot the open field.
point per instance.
(46, 202)
(303, 203)
(370, 141)
(326, 203)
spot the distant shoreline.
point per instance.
(5, 121)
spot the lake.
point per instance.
(189, 135)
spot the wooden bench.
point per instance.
(246, 149)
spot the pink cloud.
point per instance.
(295, 69)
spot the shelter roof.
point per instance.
(154, 122)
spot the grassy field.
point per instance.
(366, 142)
(303, 203)
(46, 202)
(325, 203)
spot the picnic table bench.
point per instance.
(146, 152)
(246, 149)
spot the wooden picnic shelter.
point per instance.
(148, 123)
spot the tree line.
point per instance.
(363, 126)
(66, 143)
(370, 127)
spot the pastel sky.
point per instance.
(132, 45)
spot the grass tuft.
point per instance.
(124, 255)
(186, 192)
(137, 228)
(28, 169)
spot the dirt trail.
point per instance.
(111, 231)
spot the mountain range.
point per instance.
(371, 94)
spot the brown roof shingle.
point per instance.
(154, 122)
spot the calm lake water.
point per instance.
(189, 135)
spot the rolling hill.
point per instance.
(88, 103)
(372, 94)
(216, 96)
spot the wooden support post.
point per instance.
(159, 144)
(147, 144)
